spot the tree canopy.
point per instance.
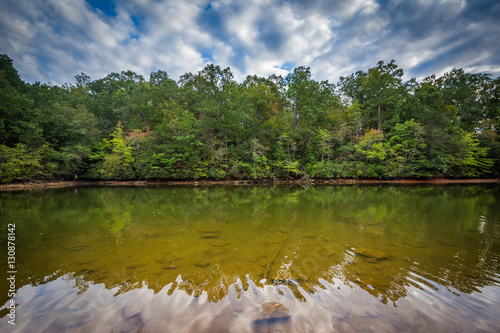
(371, 124)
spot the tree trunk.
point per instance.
(296, 113)
(379, 120)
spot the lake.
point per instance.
(205, 259)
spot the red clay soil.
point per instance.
(60, 184)
(436, 181)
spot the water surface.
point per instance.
(197, 259)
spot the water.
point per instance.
(205, 259)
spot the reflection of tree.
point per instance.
(203, 240)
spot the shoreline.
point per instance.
(206, 182)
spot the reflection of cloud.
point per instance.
(210, 246)
(197, 257)
(59, 306)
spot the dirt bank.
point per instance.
(60, 184)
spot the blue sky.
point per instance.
(54, 40)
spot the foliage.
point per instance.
(118, 163)
(206, 125)
(407, 150)
(21, 164)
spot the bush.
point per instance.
(22, 164)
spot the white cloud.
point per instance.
(55, 40)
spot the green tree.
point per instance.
(206, 125)
(11, 74)
(23, 164)
(407, 151)
(118, 164)
(377, 90)
(371, 146)
(18, 121)
(469, 94)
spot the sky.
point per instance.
(54, 40)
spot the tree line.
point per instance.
(371, 124)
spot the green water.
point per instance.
(197, 259)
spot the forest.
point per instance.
(371, 124)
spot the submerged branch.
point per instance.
(275, 255)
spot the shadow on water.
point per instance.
(337, 257)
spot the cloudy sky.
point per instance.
(53, 40)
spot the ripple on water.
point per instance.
(333, 306)
(338, 259)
